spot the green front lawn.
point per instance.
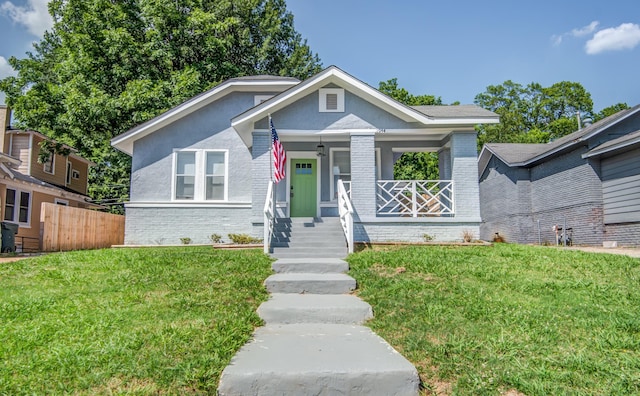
(489, 320)
(134, 321)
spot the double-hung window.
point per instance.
(17, 206)
(200, 175)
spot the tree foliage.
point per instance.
(412, 166)
(533, 113)
(108, 65)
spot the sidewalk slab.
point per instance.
(318, 359)
(310, 283)
(315, 308)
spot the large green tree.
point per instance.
(108, 65)
(412, 166)
(533, 113)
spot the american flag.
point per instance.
(279, 157)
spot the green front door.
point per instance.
(304, 187)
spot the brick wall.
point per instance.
(363, 176)
(412, 231)
(165, 226)
(626, 234)
(523, 205)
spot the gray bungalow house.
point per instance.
(205, 166)
(588, 181)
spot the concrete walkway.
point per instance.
(313, 342)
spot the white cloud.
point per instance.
(585, 30)
(34, 16)
(625, 36)
(556, 39)
(5, 69)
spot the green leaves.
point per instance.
(107, 66)
(533, 113)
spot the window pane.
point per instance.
(215, 163)
(186, 163)
(11, 197)
(24, 207)
(215, 188)
(9, 204)
(185, 187)
(342, 160)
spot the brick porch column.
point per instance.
(261, 174)
(464, 173)
(363, 174)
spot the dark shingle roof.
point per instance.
(455, 111)
(632, 138)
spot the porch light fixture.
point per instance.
(320, 150)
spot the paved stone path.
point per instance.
(313, 342)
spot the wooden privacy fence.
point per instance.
(68, 228)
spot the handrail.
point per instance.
(415, 198)
(269, 217)
(346, 214)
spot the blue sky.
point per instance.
(452, 49)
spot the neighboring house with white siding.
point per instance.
(588, 180)
(205, 166)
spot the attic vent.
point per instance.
(331, 100)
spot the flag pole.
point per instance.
(270, 148)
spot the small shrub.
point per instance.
(243, 239)
(428, 238)
(185, 241)
(467, 236)
(216, 238)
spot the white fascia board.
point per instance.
(125, 141)
(597, 152)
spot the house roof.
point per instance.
(262, 83)
(455, 111)
(525, 154)
(462, 116)
(623, 142)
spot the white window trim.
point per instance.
(16, 207)
(331, 174)
(323, 100)
(258, 99)
(199, 190)
(53, 165)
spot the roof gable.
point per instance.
(124, 142)
(334, 76)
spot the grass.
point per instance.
(128, 321)
(508, 319)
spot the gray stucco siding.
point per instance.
(206, 129)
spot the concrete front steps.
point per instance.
(313, 342)
(309, 238)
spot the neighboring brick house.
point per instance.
(589, 180)
(25, 183)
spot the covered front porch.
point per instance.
(351, 176)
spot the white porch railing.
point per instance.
(345, 211)
(347, 187)
(269, 217)
(415, 198)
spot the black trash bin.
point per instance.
(9, 231)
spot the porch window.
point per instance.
(17, 206)
(200, 175)
(340, 158)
